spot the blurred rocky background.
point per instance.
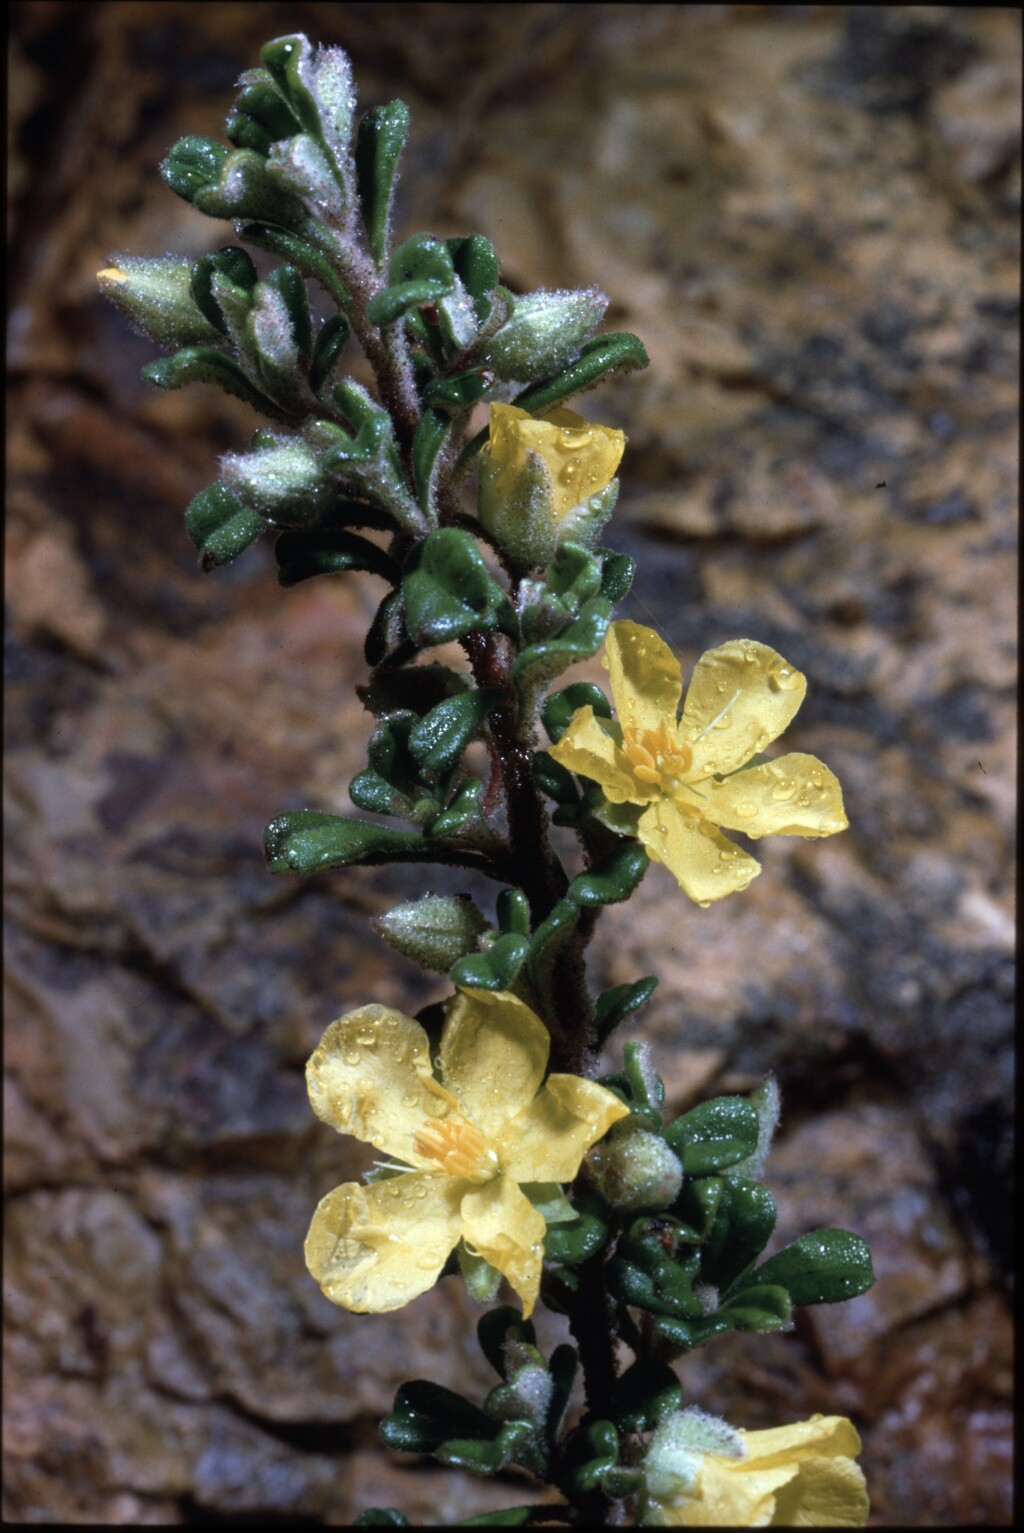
(810, 215)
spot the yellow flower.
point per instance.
(700, 1474)
(684, 772)
(580, 457)
(543, 482)
(468, 1141)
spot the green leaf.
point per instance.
(431, 435)
(616, 575)
(232, 263)
(448, 591)
(483, 1457)
(425, 1414)
(288, 283)
(563, 1366)
(384, 635)
(822, 1267)
(613, 879)
(193, 163)
(499, 1326)
(379, 143)
(261, 101)
(393, 301)
(381, 1517)
(330, 343)
(539, 664)
(559, 708)
(602, 357)
(462, 813)
(476, 265)
(714, 1135)
(457, 392)
(306, 841)
(744, 1218)
(578, 1240)
(513, 910)
(555, 780)
(220, 525)
(507, 1517)
(439, 739)
(494, 969)
(591, 1455)
(648, 1390)
(761, 1307)
(299, 252)
(548, 941)
(370, 791)
(202, 364)
(615, 1005)
(574, 576)
(327, 551)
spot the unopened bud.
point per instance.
(282, 481)
(544, 333)
(155, 293)
(435, 931)
(634, 1168)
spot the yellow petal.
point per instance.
(370, 1076)
(826, 1493)
(580, 457)
(588, 749)
(494, 1052)
(742, 695)
(500, 1224)
(645, 678)
(828, 1490)
(823, 1435)
(731, 1495)
(706, 864)
(547, 1142)
(795, 795)
(375, 1248)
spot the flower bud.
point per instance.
(546, 482)
(544, 333)
(435, 931)
(634, 1168)
(155, 293)
(282, 480)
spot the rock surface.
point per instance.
(810, 215)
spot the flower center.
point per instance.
(458, 1149)
(657, 757)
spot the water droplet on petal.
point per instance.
(746, 809)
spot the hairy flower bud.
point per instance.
(155, 293)
(282, 480)
(434, 931)
(634, 1168)
(544, 332)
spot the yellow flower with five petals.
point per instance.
(465, 1144)
(691, 775)
(701, 1473)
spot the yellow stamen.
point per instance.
(657, 757)
(112, 274)
(458, 1149)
